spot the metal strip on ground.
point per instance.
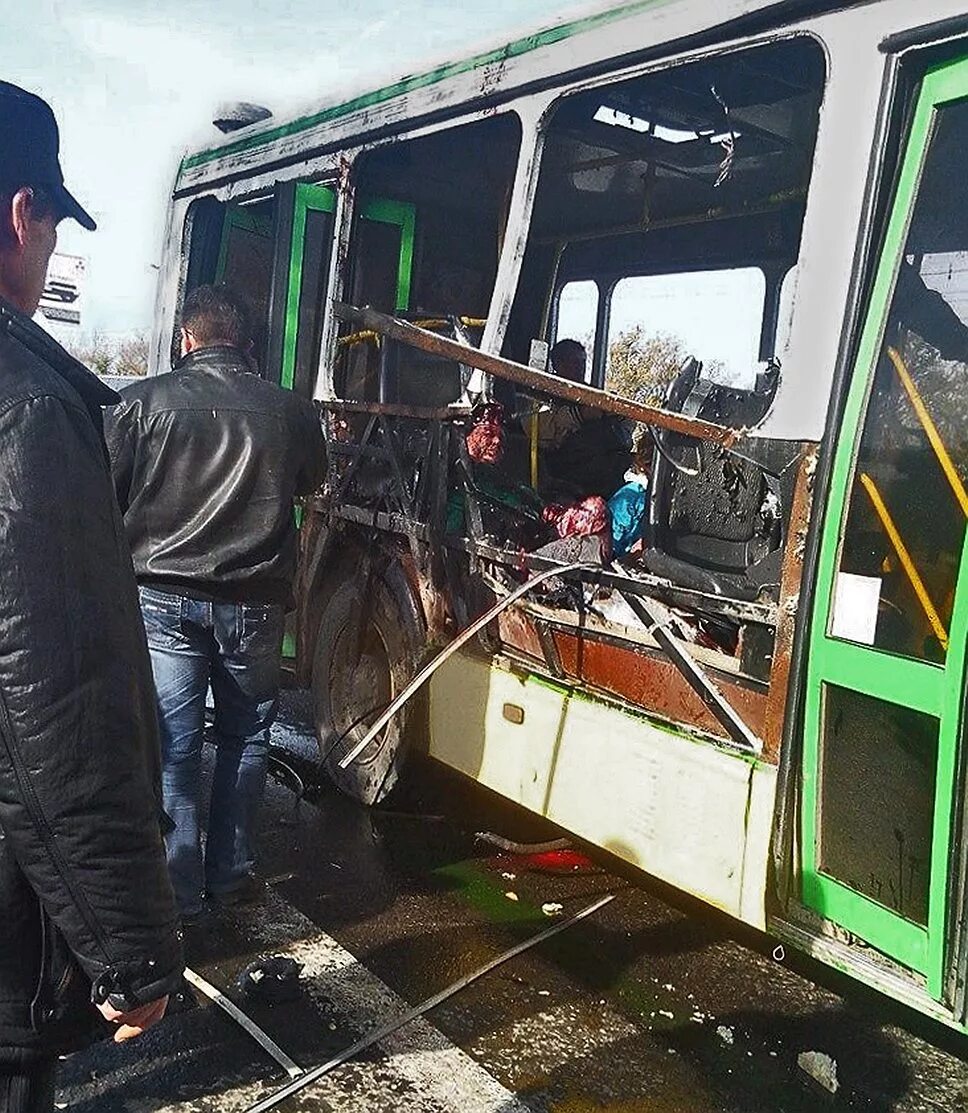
(246, 1023)
(391, 1026)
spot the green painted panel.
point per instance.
(907, 942)
(933, 689)
(403, 214)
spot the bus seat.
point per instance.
(714, 515)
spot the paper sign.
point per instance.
(856, 600)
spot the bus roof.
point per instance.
(267, 133)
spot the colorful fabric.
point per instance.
(628, 514)
(582, 519)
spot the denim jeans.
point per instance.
(235, 648)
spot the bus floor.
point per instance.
(650, 1005)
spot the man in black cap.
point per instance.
(87, 915)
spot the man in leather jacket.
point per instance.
(207, 460)
(86, 908)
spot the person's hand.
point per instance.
(133, 1023)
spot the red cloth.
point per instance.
(580, 520)
(485, 438)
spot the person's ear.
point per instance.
(187, 342)
(22, 214)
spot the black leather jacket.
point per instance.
(206, 462)
(84, 890)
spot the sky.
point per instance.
(133, 84)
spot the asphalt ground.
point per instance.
(653, 1005)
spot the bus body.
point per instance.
(764, 706)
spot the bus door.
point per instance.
(890, 615)
(386, 234)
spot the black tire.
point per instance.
(348, 694)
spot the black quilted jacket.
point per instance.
(86, 907)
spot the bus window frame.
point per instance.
(544, 118)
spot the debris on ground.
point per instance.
(274, 979)
(509, 846)
(511, 895)
(725, 1034)
(552, 908)
(821, 1068)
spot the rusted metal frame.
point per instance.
(791, 572)
(737, 610)
(455, 412)
(337, 447)
(421, 494)
(404, 499)
(657, 621)
(536, 380)
(549, 648)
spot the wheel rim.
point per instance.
(359, 689)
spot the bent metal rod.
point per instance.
(429, 669)
(246, 1023)
(391, 1026)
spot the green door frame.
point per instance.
(930, 688)
(239, 216)
(309, 198)
(319, 198)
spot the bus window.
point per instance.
(435, 261)
(657, 322)
(577, 316)
(679, 189)
(682, 192)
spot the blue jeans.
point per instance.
(235, 648)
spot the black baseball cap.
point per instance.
(29, 143)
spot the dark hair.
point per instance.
(217, 315)
(44, 205)
(566, 351)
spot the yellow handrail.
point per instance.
(906, 562)
(930, 429)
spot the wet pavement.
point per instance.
(654, 1005)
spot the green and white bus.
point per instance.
(765, 705)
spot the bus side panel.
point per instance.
(681, 809)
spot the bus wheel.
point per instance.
(357, 672)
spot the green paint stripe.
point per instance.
(515, 49)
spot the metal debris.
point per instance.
(820, 1068)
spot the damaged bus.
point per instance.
(746, 675)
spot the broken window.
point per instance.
(429, 227)
(679, 195)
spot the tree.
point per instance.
(132, 356)
(642, 365)
(97, 353)
(111, 355)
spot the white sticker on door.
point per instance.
(856, 599)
